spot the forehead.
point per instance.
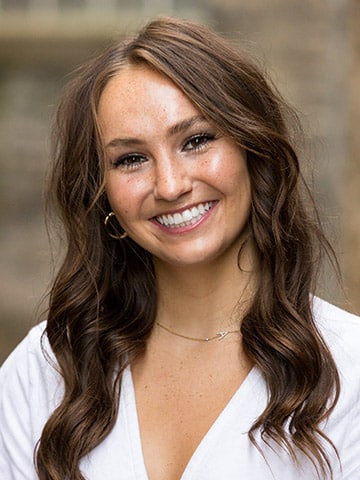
(141, 83)
(138, 93)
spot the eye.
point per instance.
(129, 161)
(197, 142)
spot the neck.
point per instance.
(202, 300)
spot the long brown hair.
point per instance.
(103, 300)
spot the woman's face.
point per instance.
(177, 186)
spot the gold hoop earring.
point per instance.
(116, 237)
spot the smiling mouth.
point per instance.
(190, 216)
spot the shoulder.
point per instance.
(341, 333)
(340, 329)
(30, 389)
(30, 372)
(33, 350)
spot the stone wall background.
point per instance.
(311, 49)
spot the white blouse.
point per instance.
(30, 388)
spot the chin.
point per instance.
(194, 259)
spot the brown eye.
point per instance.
(197, 142)
(129, 161)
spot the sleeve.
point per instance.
(347, 420)
(341, 331)
(24, 406)
(350, 452)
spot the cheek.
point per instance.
(125, 195)
(229, 171)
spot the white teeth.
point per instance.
(187, 217)
(178, 218)
(194, 212)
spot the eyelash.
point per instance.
(129, 161)
(205, 139)
(133, 160)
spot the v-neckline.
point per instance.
(208, 439)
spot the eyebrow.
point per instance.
(175, 129)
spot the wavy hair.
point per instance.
(103, 300)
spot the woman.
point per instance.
(182, 339)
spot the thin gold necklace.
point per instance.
(219, 335)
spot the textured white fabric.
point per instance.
(30, 388)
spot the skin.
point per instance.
(168, 172)
(163, 159)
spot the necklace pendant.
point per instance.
(221, 334)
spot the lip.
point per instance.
(184, 219)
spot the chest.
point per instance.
(177, 406)
(224, 451)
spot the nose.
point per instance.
(172, 178)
